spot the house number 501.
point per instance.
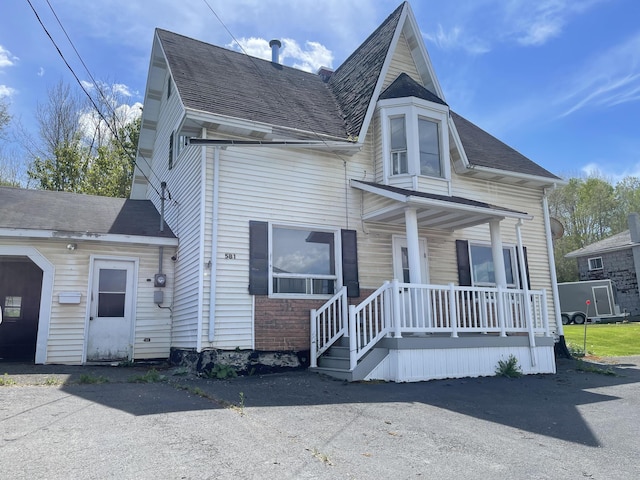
(229, 256)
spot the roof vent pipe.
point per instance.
(275, 50)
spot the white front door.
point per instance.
(401, 260)
(414, 307)
(110, 322)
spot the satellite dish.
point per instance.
(557, 229)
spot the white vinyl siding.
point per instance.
(183, 216)
(68, 322)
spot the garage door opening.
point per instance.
(20, 294)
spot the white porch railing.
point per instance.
(328, 324)
(401, 308)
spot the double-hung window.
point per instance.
(399, 161)
(303, 261)
(482, 267)
(429, 141)
(595, 263)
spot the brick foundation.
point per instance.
(284, 324)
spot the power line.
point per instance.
(99, 112)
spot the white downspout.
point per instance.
(203, 209)
(552, 263)
(527, 298)
(214, 243)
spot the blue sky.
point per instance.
(559, 80)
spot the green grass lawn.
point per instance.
(605, 340)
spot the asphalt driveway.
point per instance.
(574, 425)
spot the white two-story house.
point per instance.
(348, 220)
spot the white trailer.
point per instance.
(592, 300)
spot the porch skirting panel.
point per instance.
(412, 363)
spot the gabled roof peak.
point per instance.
(405, 86)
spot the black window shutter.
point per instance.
(258, 258)
(350, 262)
(464, 263)
(526, 264)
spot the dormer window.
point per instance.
(399, 163)
(429, 140)
(415, 138)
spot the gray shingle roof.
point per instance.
(405, 86)
(355, 80)
(76, 213)
(444, 198)
(618, 241)
(483, 149)
(224, 82)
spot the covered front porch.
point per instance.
(407, 332)
(410, 329)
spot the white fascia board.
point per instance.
(544, 181)
(234, 122)
(413, 24)
(106, 237)
(379, 191)
(492, 210)
(406, 102)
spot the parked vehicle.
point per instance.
(593, 300)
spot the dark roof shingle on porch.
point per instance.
(79, 214)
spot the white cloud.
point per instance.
(87, 85)
(313, 56)
(610, 78)
(309, 59)
(6, 58)
(483, 24)
(6, 91)
(122, 89)
(455, 39)
(40, 72)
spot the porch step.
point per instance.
(335, 363)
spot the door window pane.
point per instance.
(112, 287)
(12, 307)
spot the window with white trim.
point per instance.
(415, 138)
(595, 263)
(483, 270)
(303, 261)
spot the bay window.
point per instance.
(415, 138)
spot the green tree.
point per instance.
(64, 170)
(111, 170)
(587, 208)
(627, 198)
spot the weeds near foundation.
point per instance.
(87, 378)
(6, 380)
(152, 376)
(582, 366)
(509, 368)
(126, 363)
(220, 372)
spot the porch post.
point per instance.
(413, 245)
(499, 272)
(496, 251)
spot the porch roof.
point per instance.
(434, 211)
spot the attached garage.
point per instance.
(83, 279)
